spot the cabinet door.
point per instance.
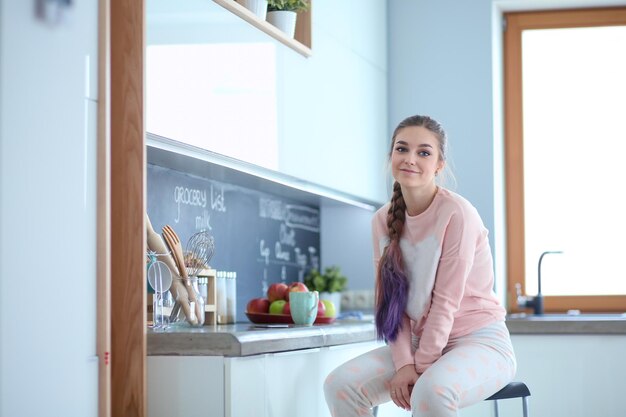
(190, 386)
(292, 382)
(244, 388)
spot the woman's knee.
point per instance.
(429, 397)
(334, 383)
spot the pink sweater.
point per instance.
(448, 262)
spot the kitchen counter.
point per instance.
(567, 324)
(245, 339)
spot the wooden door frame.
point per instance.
(103, 244)
(121, 201)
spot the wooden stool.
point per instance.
(512, 390)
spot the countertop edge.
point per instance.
(244, 340)
(564, 327)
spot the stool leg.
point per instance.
(495, 408)
(525, 406)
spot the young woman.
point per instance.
(447, 344)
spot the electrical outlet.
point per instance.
(360, 299)
(346, 300)
(357, 300)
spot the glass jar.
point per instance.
(196, 301)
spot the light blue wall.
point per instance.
(440, 65)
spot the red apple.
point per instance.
(277, 291)
(321, 309)
(296, 287)
(287, 309)
(258, 305)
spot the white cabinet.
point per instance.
(284, 384)
(190, 386)
(292, 381)
(245, 390)
(568, 376)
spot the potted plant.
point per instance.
(258, 7)
(330, 284)
(283, 14)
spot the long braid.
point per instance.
(392, 285)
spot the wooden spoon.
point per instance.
(178, 290)
(173, 241)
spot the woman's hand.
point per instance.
(401, 385)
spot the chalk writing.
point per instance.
(265, 252)
(280, 253)
(218, 202)
(270, 209)
(189, 197)
(286, 236)
(301, 258)
(203, 222)
(302, 217)
(315, 259)
(294, 216)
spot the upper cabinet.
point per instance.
(220, 79)
(211, 78)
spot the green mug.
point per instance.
(303, 306)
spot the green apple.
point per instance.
(330, 308)
(277, 307)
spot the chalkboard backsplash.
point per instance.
(263, 237)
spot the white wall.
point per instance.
(47, 212)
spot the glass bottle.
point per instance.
(231, 297)
(220, 288)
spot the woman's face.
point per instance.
(415, 157)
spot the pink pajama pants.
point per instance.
(472, 368)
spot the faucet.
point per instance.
(536, 302)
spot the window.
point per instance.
(565, 133)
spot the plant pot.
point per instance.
(258, 7)
(284, 20)
(335, 297)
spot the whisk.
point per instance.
(198, 252)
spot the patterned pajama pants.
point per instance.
(472, 368)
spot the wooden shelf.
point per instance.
(302, 41)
